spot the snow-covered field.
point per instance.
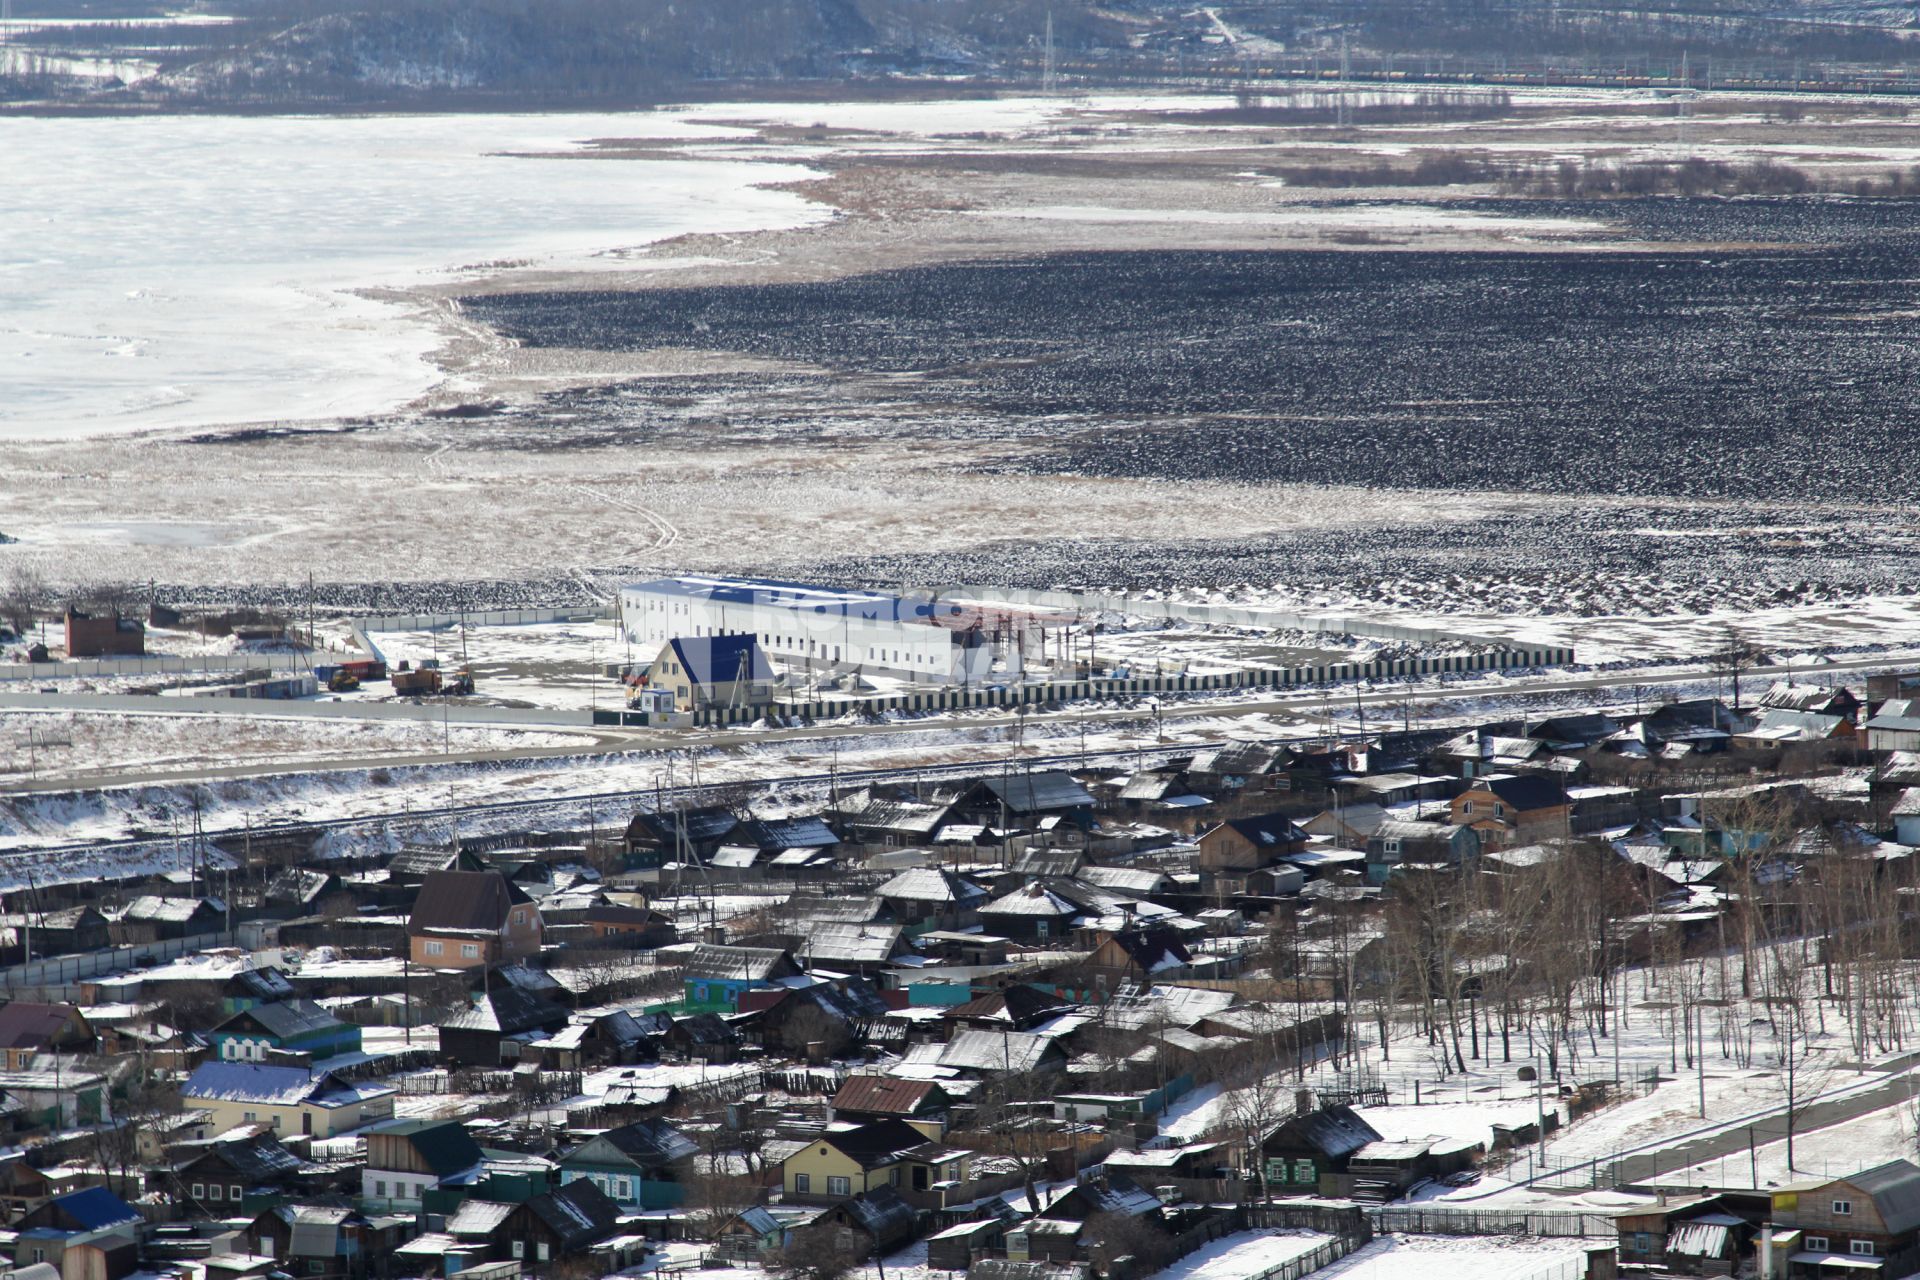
(73, 745)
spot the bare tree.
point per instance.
(24, 590)
(1255, 1100)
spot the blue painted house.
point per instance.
(717, 976)
(285, 1026)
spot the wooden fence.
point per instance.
(1425, 1221)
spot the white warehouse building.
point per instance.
(920, 638)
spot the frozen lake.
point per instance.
(184, 271)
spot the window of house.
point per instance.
(199, 1191)
(1816, 1244)
(1861, 1248)
(469, 949)
(893, 1176)
(216, 1192)
(1039, 928)
(519, 1248)
(247, 1116)
(1642, 1241)
(1304, 1173)
(520, 917)
(434, 948)
(1843, 1207)
(801, 1184)
(839, 1186)
(233, 1192)
(622, 1188)
(380, 1189)
(540, 1251)
(1499, 811)
(1467, 807)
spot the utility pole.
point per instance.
(1047, 81)
(1343, 110)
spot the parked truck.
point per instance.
(423, 680)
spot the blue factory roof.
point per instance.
(800, 597)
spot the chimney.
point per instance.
(1302, 1102)
(1766, 1251)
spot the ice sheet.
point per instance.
(191, 270)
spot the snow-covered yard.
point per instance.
(1243, 1254)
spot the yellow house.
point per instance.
(287, 1099)
(843, 1163)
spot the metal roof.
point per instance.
(836, 941)
(1031, 900)
(741, 964)
(1008, 1051)
(1038, 792)
(884, 1095)
(802, 597)
(1895, 1188)
(931, 884)
(285, 1019)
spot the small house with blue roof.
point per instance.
(87, 1216)
(713, 671)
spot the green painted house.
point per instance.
(284, 1026)
(636, 1165)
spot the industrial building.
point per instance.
(919, 638)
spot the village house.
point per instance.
(27, 1029)
(842, 1163)
(1312, 1144)
(1865, 1225)
(932, 897)
(1513, 809)
(287, 1099)
(230, 1175)
(875, 1221)
(1032, 913)
(639, 927)
(1695, 1235)
(716, 976)
(636, 1165)
(284, 1027)
(676, 835)
(703, 672)
(408, 1160)
(469, 919)
(865, 1098)
(1418, 842)
(495, 1026)
(1245, 844)
(93, 1216)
